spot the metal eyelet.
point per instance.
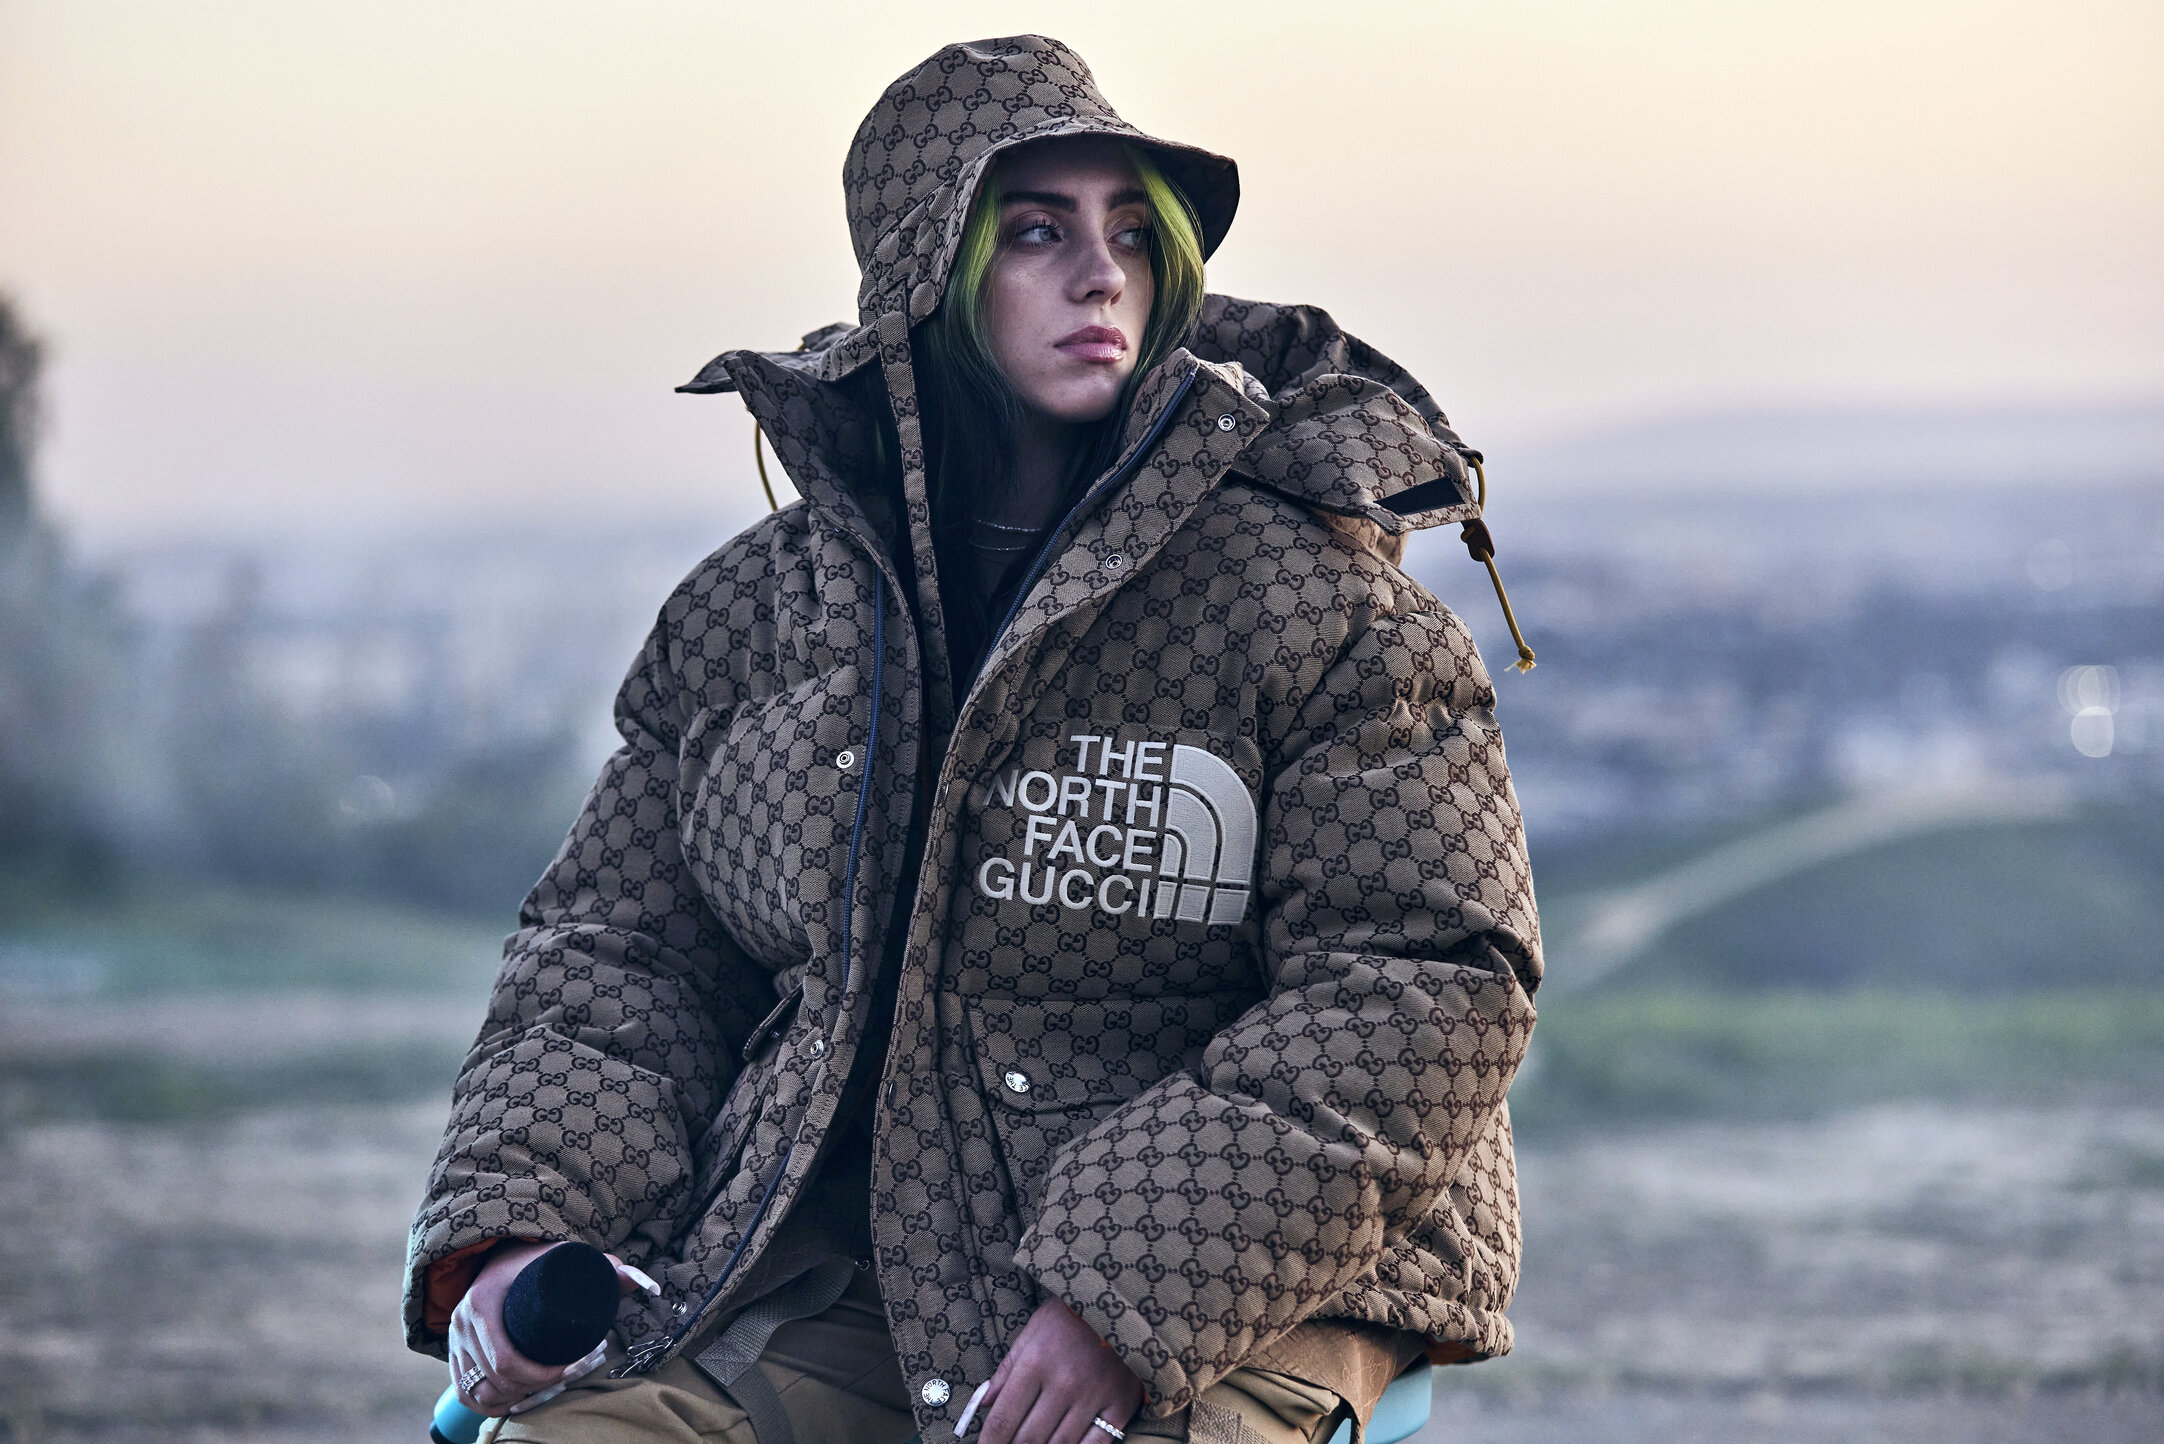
(845, 759)
(1017, 1081)
(1226, 422)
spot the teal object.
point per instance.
(454, 1423)
(1402, 1411)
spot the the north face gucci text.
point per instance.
(1161, 829)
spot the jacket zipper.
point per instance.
(648, 1354)
(773, 1023)
(1074, 514)
(864, 787)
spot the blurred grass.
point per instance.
(1626, 1058)
(1946, 988)
(1681, 1053)
(148, 936)
(178, 1002)
(137, 1086)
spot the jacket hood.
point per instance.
(918, 157)
(1350, 431)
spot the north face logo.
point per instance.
(1160, 829)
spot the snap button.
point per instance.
(1225, 422)
(1114, 562)
(1017, 1081)
(845, 760)
(819, 1047)
(935, 1392)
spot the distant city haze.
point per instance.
(323, 265)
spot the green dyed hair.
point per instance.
(971, 405)
(956, 331)
(971, 415)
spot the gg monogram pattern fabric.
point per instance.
(1219, 948)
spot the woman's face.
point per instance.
(1069, 288)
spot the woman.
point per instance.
(1051, 950)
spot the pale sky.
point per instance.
(312, 262)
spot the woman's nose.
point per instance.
(1097, 274)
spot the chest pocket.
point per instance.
(1054, 1070)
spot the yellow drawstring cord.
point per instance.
(758, 455)
(758, 448)
(1482, 547)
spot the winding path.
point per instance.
(1616, 926)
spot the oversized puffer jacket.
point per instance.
(1217, 952)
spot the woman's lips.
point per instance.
(1094, 343)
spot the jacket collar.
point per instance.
(1281, 394)
(1350, 431)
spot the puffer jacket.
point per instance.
(1205, 912)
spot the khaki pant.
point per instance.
(840, 1384)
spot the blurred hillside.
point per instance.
(1708, 657)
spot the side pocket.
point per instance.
(1053, 1071)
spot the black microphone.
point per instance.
(558, 1308)
(561, 1304)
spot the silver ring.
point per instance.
(468, 1380)
(1099, 1423)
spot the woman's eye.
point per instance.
(1040, 233)
(1133, 237)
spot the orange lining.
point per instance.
(448, 1279)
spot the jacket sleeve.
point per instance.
(603, 1052)
(1224, 1205)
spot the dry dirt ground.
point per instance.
(1914, 1272)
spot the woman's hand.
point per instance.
(1055, 1381)
(479, 1340)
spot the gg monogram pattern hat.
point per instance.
(914, 165)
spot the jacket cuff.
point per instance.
(452, 1236)
(448, 1278)
(1093, 1299)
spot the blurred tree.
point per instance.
(21, 358)
(198, 761)
(257, 786)
(62, 651)
(486, 828)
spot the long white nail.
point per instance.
(969, 1410)
(572, 1375)
(639, 1277)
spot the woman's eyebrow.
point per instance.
(1053, 199)
(1058, 202)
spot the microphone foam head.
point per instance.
(561, 1304)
